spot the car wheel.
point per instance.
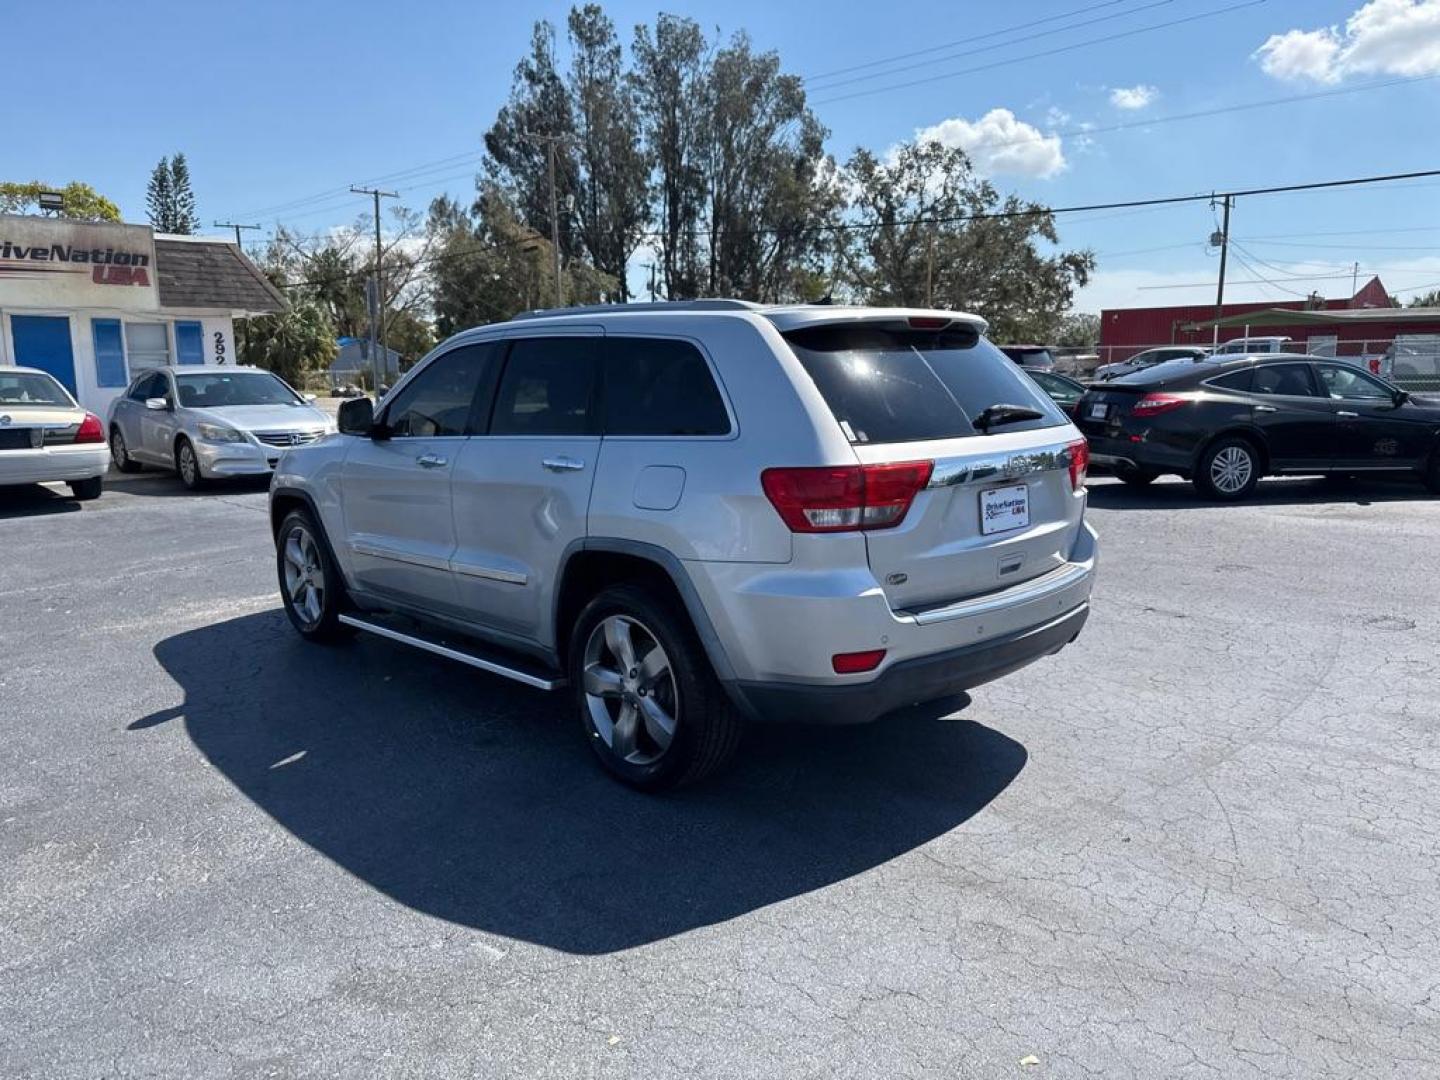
(310, 584)
(85, 490)
(1432, 474)
(1137, 477)
(1229, 469)
(648, 702)
(120, 453)
(187, 464)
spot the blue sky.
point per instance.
(278, 104)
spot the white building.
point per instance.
(94, 302)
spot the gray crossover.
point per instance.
(692, 515)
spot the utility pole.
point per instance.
(1354, 281)
(1227, 201)
(652, 267)
(550, 142)
(378, 322)
(240, 248)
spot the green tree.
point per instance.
(930, 232)
(1079, 329)
(1427, 299)
(293, 342)
(169, 199)
(82, 202)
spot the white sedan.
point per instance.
(45, 436)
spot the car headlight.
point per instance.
(219, 433)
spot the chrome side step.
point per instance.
(494, 667)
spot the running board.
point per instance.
(494, 667)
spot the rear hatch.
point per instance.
(1000, 506)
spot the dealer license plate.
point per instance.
(1003, 509)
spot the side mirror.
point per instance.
(157, 404)
(357, 416)
(1401, 397)
(310, 399)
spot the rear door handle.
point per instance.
(1347, 415)
(1264, 408)
(564, 463)
(431, 461)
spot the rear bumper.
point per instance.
(1147, 453)
(51, 464)
(910, 682)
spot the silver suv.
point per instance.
(696, 514)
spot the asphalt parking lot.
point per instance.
(1200, 842)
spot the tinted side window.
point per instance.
(148, 387)
(655, 386)
(1346, 382)
(548, 387)
(1287, 380)
(439, 401)
(1235, 380)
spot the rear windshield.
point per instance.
(891, 385)
(29, 388)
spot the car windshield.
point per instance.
(886, 385)
(218, 390)
(32, 388)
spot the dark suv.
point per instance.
(1225, 425)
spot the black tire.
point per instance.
(326, 626)
(1137, 477)
(707, 728)
(1209, 478)
(120, 453)
(189, 473)
(85, 490)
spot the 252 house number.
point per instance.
(220, 348)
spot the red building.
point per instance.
(1362, 325)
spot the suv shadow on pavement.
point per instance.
(1171, 493)
(473, 800)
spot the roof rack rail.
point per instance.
(659, 305)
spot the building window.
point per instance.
(109, 353)
(189, 343)
(147, 344)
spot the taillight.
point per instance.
(1155, 404)
(1079, 452)
(845, 497)
(851, 663)
(91, 430)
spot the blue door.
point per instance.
(43, 341)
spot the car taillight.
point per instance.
(91, 430)
(1079, 452)
(845, 497)
(851, 663)
(1155, 404)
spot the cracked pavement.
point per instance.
(1199, 842)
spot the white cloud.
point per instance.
(1056, 117)
(1133, 97)
(1390, 37)
(999, 143)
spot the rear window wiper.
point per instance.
(992, 415)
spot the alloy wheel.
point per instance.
(117, 449)
(189, 467)
(304, 576)
(630, 690)
(1231, 468)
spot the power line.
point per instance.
(1044, 53)
(953, 44)
(1034, 211)
(990, 48)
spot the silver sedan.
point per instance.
(211, 421)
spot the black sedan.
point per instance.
(1225, 425)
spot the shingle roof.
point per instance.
(212, 274)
